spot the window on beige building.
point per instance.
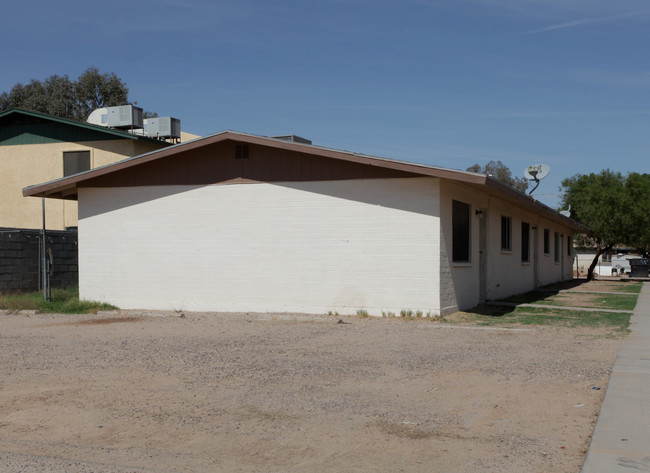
(75, 162)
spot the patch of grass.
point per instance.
(362, 313)
(632, 287)
(614, 301)
(532, 297)
(497, 315)
(64, 301)
(598, 301)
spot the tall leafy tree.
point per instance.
(614, 207)
(637, 187)
(62, 97)
(94, 90)
(501, 173)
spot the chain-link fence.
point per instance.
(21, 259)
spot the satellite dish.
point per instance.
(536, 172)
(567, 212)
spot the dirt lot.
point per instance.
(238, 392)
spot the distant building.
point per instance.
(36, 147)
(613, 262)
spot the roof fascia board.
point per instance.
(362, 158)
(63, 182)
(62, 186)
(517, 197)
(471, 178)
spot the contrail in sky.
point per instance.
(586, 21)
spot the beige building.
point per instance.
(36, 147)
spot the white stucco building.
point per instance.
(236, 222)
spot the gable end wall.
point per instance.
(313, 247)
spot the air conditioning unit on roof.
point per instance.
(162, 127)
(124, 116)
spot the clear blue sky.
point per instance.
(442, 82)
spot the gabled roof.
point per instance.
(62, 129)
(66, 188)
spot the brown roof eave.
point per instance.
(359, 158)
(48, 189)
(65, 188)
(44, 190)
(524, 200)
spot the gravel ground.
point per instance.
(132, 392)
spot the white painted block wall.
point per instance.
(506, 274)
(459, 281)
(311, 247)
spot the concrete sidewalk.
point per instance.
(621, 440)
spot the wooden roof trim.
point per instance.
(46, 188)
(65, 187)
(508, 193)
(363, 159)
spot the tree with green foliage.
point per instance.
(501, 173)
(637, 187)
(61, 97)
(94, 90)
(614, 207)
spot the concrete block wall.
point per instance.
(506, 274)
(313, 247)
(20, 258)
(460, 281)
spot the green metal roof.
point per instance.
(23, 127)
